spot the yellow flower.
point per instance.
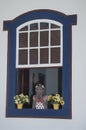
(21, 95)
(58, 99)
(21, 98)
(53, 97)
(58, 95)
(62, 102)
(61, 98)
(49, 97)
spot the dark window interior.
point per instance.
(44, 55)
(24, 28)
(55, 55)
(44, 38)
(33, 39)
(54, 26)
(33, 56)
(23, 56)
(34, 26)
(55, 37)
(23, 40)
(44, 25)
(50, 77)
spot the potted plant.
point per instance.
(56, 100)
(20, 99)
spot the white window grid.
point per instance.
(49, 64)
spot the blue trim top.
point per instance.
(41, 14)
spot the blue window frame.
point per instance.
(67, 21)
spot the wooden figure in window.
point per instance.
(40, 100)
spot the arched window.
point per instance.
(39, 56)
(39, 44)
(39, 50)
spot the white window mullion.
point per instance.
(49, 44)
(61, 48)
(39, 43)
(17, 48)
(28, 44)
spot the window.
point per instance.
(27, 78)
(39, 49)
(39, 46)
(39, 43)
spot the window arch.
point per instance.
(39, 43)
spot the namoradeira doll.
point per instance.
(39, 99)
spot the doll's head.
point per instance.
(39, 89)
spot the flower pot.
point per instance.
(19, 106)
(56, 106)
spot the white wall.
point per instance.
(10, 9)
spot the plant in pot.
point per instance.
(21, 99)
(56, 100)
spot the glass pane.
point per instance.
(34, 26)
(24, 28)
(55, 55)
(33, 39)
(44, 38)
(54, 26)
(27, 78)
(44, 25)
(50, 77)
(23, 57)
(55, 37)
(44, 55)
(34, 56)
(23, 40)
(23, 81)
